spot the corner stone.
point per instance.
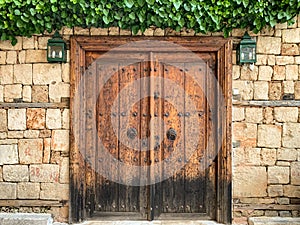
(269, 136)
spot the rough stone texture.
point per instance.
(273, 221)
(44, 173)
(6, 72)
(3, 120)
(26, 93)
(35, 118)
(2, 57)
(236, 72)
(29, 43)
(250, 181)
(28, 190)
(287, 154)
(6, 45)
(291, 134)
(66, 119)
(60, 140)
(238, 114)
(248, 74)
(1, 93)
(246, 156)
(47, 150)
(290, 49)
(284, 60)
(291, 35)
(45, 74)
(292, 72)
(265, 73)
(59, 90)
(278, 175)
(54, 191)
(12, 92)
(14, 134)
(17, 119)
(297, 90)
(99, 31)
(39, 93)
(36, 56)
(53, 119)
(245, 133)
(64, 171)
(23, 74)
(275, 190)
(8, 154)
(279, 73)
(245, 88)
(288, 87)
(8, 190)
(66, 72)
(286, 114)
(295, 173)
(268, 156)
(269, 45)
(25, 219)
(269, 136)
(291, 191)
(254, 115)
(15, 173)
(31, 133)
(11, 57)
(31, 151)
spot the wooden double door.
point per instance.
(146, 128)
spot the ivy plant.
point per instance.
(28, 17)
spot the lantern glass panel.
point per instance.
(247, 53)
(55, 51)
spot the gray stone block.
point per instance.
(274, 221)
(25, 219)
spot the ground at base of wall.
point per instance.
(274, 221)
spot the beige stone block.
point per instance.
(8, 190)
(285, 60)
(233, 57)
(283, 201)
(261, 90)
(249, 74)
(150, 32)
(11, 57)
(81, 31)
(249, 181)
(40, 93)
(288, 87)
(275, 91)
(26, 93)
(238, 113)
(295, 173)
(44, 173)
(58, 91)
(275, 190)
(60, 140)
(17, 119)
(35, 118)
(6, 45)
(22, 57)
(278, 175)
(271, 60)
(15, 173)
(64, 171)
(269, 136)
(66, 72)
(268, 156)
(8, 154)
(2, 57)
(245, 88)
(3, 135)
(53, 191)
(189, 32)
(268, 45)
(6, 72)
(12, 92)
(1, 174)
(254, 115)
(67, 31)
(53, 119)
(246, 156)
(265, 73)
(297, 90)
(291, 35)
(29, 43)
(3, 120)
(290, 49)
(279, 73)
(278, 33)
(44, 74)
(23, 74)
(290, 191)
(66, 119)
(113, 31)
(292, 72)
(159, 32)
(261, 59)
(45, 133)
(286, 114)
(31, 134)
(125, 32)
(36, 56)
(47, 150)
(28, 190)
(42, 42)
(99, 31)
(287, 154)
(238, 32)
(236, 72)
(283, 163)
(291, 134)
(1, 93)
(297, 60)
(31, 151)
(245, 133)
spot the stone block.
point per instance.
(53, 191)
(35, 118)
(6, 72)
(269, 45)
(58, 91)
(265, 73)
(283, 163)
(31, 151)
(45, 133)
(3, 120)
(17, 119)
(42, 42)
(286, 114)
(113, 31)
(64, 171)
(297, 60)
(60, 140)
(28, 190)
(290, 49)
(6, 45)
(15, 173)
(47, 150)
(295, 173)
(2, 58)
(261, 90)
(246, 133)
(269, 136)
(14, 134)
(45, 74)
(273, 221)
(66, 119)
(40, 93)
(66, 72)
(248, 74)
(8, 154)
(254, 115)
(125, 32)
(11, 57)
(12, 92)
(1, 93)
(44, 173)
(23, 74)
(1, 174)
(99, 31)
(81, 31)
(285, 60)
(288, 87)
(249, 181)
(245, 88)
(291, 35)
(261, 59)
(26, 218)
(236, 72)
(36, 56)
(238, 113)
(29, 43)
(275, 90)
(290, 191)
(291, 134)
(297, 90)
(150, 32)
(292, 72)
(283, 201)
(287, 154)
(279, 73)
(31, 134)
(246, 156)
(8, 190)
(271, 60)
(278, 175)
(275, 190)
(53, 119)
(268, 156)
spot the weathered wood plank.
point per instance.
(60, 105)
(32, 203)
(275, 103)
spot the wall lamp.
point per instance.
(56, 49)
(246, 50)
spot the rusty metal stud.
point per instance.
(166, 69)
(200, 69)
(123, 114)
(144, 143)
(182, 207)
(155, 114)
(121, 160)
(134, 69)
(156, 160)
(201, 113)
(156, 95)
(100, 114)
(179, 160)
(100, 160)
(123, 69)
(145, 160)
(135, 114)
(145, 70)
(144, 114)
(134, 159)
(114, 159)
(171, 134)
(131, 133)
(156, 137)
(180, 114)
(123, 206)
(187, 114)
(166, 114)
(114, 114)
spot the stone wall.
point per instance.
(34, 125)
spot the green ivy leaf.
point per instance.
(177, 4)
(129, 3)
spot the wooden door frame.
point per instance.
(80, 205)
